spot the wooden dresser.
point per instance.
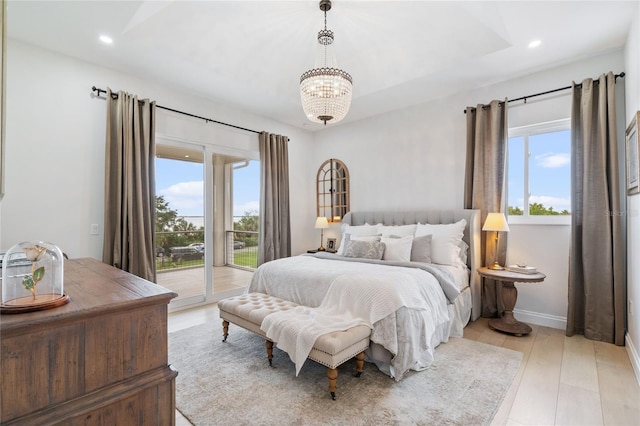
(101, 359)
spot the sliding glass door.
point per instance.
(201, 254)
(180, 227)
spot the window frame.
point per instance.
(525, 132)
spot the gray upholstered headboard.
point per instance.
(471, 236)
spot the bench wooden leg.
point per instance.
(332, 375)
(225, 330)
(269, 345)
(359, 364)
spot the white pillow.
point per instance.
(397, 248)
(399, 230)
(464, 250)
(445, 245)
(365, 230)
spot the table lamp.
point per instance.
(321, 223)
(496, 222)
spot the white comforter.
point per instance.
(406, 307)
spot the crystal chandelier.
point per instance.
(325, 91)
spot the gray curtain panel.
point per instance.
(597, 277)
(129, 207)
(484, 189)
(274, 237)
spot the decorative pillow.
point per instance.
(360, 231)
(421, 249)
(445, 247)
(364, 249)
(348, 237)
(399, 230)
(397, 248)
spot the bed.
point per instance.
(412, 303)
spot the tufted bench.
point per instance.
(331, 350)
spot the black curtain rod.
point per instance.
(115, 96)
(621, 75)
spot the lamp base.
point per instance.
(322, 249)
(496, 266)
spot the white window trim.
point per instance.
(540, 220)
(545, 127)
(529, 130)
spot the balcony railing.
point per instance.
(242, 249)
(165, 241)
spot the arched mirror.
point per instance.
(333, 190)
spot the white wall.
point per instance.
(632, 62)
(414, 159)
(55, 148)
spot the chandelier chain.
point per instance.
(325, 20)
(325, 46)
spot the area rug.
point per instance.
(231, 383)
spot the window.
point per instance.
(539, 173)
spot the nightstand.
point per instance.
(507, 323)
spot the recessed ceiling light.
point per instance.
(534, 43)
(106, 39)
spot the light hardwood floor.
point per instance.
(562, 380)
(188, 282)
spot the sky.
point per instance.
(181, 184)
(549, 170)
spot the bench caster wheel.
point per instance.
(333, 396)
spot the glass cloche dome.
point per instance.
(32, 278)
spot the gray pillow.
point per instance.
(364, 249)
(421, 249)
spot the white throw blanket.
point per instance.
(356, 299)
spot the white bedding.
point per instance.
(460, 275)
(405, 331)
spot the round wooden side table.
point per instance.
(507, 323)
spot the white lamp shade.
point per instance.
(496, 222)
(322, 222)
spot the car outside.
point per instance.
(238, 245)
(197, 246)
(180, 254)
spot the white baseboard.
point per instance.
(544, 320)
(633, 356)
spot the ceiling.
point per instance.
(250, 54)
